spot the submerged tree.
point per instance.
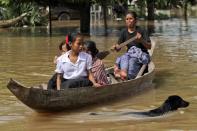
(14, 8)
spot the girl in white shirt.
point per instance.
(75, 66)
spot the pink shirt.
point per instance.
(99, 73)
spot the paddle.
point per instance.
(140, 73)
(101, 55)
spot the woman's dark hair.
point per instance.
(133, 13)
(72, 37)
(91, 46)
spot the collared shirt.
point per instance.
(74, 70)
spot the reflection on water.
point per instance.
(27, 55)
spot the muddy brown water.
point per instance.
(27, 55)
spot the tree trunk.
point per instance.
(150, 27)
(151, 9)
(85, 18)
(105, 17)
(50, 23)
(185, 9)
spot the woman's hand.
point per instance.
(115, 47)
(139, 38)
(91, 78)
(97, 85)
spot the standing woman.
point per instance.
(75, 66)
(142, 41)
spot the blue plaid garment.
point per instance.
(135, 52)
(132, 61)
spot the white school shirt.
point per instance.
(74, 70)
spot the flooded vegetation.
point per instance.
(27, 55)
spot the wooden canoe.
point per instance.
(11, 22)
(41, 100)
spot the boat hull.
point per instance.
(73, 98)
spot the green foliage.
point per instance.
(161, 4)
(4, 2)
(15, 8)
(168, 4)
(2, 10)
(34, 16)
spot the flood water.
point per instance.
(27, 55)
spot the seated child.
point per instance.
(98, 68)
(64, 46)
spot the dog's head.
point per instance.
(176, 102)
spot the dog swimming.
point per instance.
(172, 103)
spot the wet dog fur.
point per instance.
(171, 104)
